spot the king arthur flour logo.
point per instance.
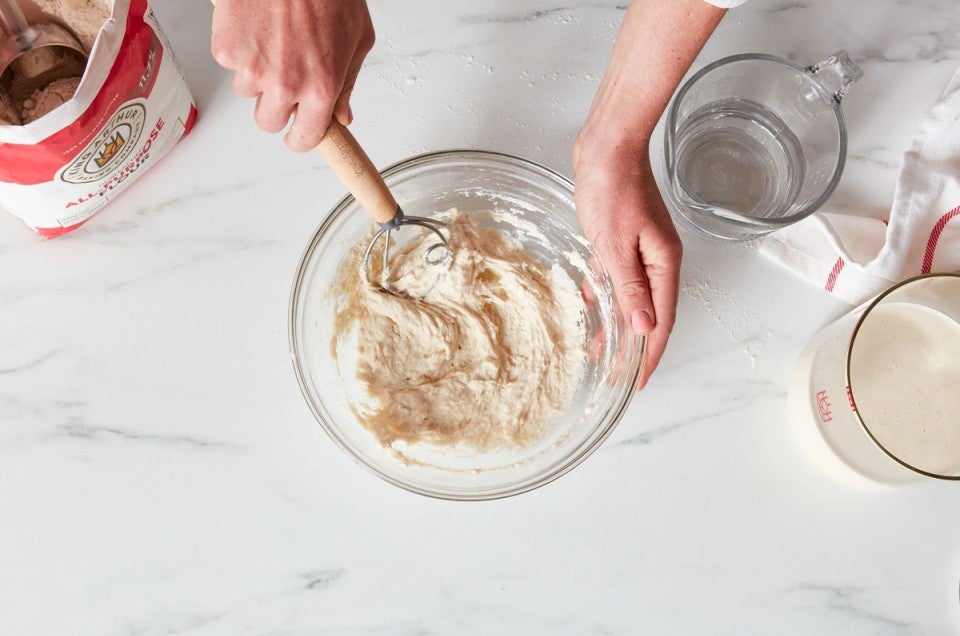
(110, 147)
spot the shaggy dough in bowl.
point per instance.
(483, 353)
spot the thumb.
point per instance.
(341, 110)
(631, 286)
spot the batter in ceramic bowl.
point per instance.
(490, 351)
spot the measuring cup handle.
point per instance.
(355, 170)
(836, 74)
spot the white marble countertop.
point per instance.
(161, 474)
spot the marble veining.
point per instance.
(78, 429)
(847, 600)
(321, 579)
(561, 13)
(161, 475)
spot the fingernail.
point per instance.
(641, 321)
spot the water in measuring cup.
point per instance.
(737, 155)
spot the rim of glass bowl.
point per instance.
(635, 346)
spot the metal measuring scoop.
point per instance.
(355, 170)
(32, 56)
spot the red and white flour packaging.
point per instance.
(130, 108)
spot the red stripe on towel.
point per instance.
(934, 237)
(832, 278)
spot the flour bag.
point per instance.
(84, 140)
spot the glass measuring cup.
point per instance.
(878, 388)
(755, 142)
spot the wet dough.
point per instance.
(492, 350)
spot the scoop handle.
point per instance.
(355, 170)
(12, 22)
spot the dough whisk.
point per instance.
(355, 170)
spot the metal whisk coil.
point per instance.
(437, 254)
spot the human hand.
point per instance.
(626, 221)
(617, 198)
(298, 58)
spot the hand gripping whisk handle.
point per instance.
(355, 170)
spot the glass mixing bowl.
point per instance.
(540, 206)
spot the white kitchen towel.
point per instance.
(856, 258)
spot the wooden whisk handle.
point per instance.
(355, 170)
